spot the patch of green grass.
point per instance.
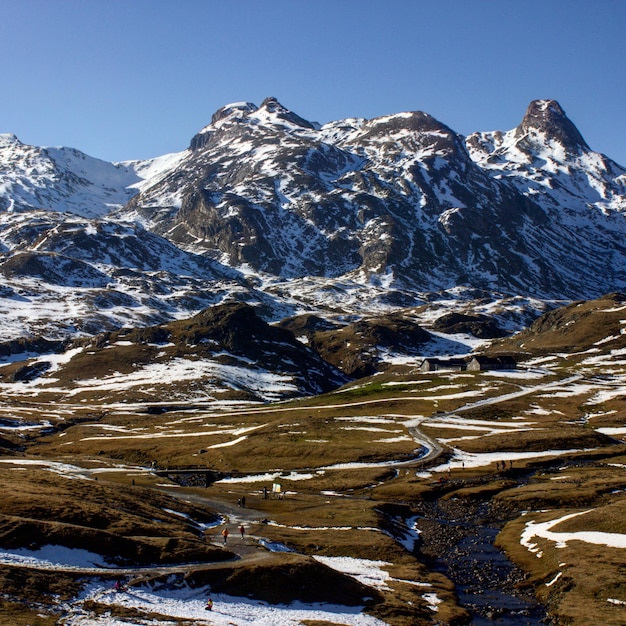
(361, 391)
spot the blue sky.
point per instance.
(128, 79)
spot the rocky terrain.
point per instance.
(389, 359)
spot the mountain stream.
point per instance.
(457, 538)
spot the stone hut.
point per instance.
(481, 363)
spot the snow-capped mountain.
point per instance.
(67, 180)
(62, 275)
(355, 215)
(401, 198)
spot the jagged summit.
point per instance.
(276, 111)
(239, 114)
(548, 118)
(7, 139)
(236, 110)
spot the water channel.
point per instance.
(457, 539)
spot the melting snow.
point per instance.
(544, 530)
(189, 604)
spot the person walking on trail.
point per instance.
(209, 605)
(225, 535)
(242, 530)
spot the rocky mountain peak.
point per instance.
(234, 110)
(271, 104)
(270, 113)
(230, 113)
(276, 111)
(548, 117)
(8, 139)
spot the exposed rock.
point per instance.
(479, 326)
(356, 348)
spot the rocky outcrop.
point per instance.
(479, 326)
(357, 349)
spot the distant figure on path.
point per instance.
(225, 535)
(243, 502)
(242, 530)
(209, 605)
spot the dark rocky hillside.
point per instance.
(479, 326)
(229, 335)
(583, 325)
(358, 348)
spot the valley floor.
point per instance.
(344, 495)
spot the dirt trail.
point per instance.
(246, 550)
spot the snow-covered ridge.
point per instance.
(66, 180)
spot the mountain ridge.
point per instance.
(292, 216)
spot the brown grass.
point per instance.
(16, 614)
(125, 524)
(41, 507)
(29, 590)
(557, 438)
(590, 576)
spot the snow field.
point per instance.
(190, 604)
(544, 530)
(173, 601)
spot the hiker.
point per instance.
(119, 585)
(264, 493)
(225, 535)
(209, 605)
(242, 530)
(243, 502)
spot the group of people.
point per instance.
(225, 533)
(242, 504)
(501, 465)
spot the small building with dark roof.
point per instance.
(436, 365)
(481, 363)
